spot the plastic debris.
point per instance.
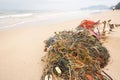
(74, 55)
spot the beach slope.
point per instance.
(21, 48)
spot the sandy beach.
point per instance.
(21, 48)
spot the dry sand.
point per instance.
(21, 49)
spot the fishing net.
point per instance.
(74, 55)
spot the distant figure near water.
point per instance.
(113, 8)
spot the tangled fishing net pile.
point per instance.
(74, 55)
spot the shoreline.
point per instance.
(22, 48)
(41, 18)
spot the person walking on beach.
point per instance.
(113, 8)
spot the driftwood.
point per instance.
(117, 25)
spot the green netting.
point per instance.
(74, 56)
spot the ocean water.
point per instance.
(15, 18)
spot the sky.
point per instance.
(52, 4)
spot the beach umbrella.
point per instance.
(88, 24)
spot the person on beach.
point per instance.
(113, 8)
(89, 25)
